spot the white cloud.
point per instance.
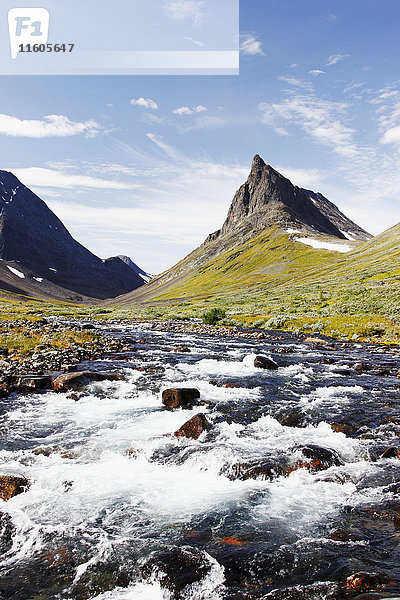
(49, 126)
(250, 45)
(196, 42)
(53, 178)
(144, 103)
(185, 110)
(180, 10)
(319, 118)
(316, 72)
(335, 58)
(307, 178)
(391, 136)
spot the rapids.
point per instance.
(120, 509)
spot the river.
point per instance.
(120, 509)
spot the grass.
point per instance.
(267, 282)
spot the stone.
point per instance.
(176, 397)
(264, 470)
(178, 568)
(7, 530)
(78, 380)
(364, 581)
(194, 427)
(33, 383)
(318, 458)
(263, 362)
(182, 349)
(11, 486)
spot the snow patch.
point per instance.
(324, 245)
(293, 230)
(39, 279)
(55, 270)
(16, 272)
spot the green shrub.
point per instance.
(213, 316)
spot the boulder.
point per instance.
(173, 398)
(194, 427)
(32, 383)
(264, 470)
(263, 362)
(182, 349)
(11, 486)
(178, 568)
(317, 458)
(364, 581)
(78, 380)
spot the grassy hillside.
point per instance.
(273, 281)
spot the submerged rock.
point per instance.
(174, 398)
(178, 568)
(11, 486)
(363, 581)
(264, 470)
(194, 427)
(263, 362)
(75, 381)
(7, 530)
(317, 458)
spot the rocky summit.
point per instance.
(39, 257)
(273, 228)
(267, 198)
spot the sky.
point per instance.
(147, 165)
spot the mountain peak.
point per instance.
(268, 198)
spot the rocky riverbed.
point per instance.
(177, 460)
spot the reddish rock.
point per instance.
(182, 349)
(194, 427)
(263, 362)
(11, 486)
(78, 380)
(363, 581)
(173, 398)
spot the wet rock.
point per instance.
(11, 486)
(317, 458)
(391, 453)
(75, 381)
(264, 470)
(182, 349)
(364, 581)
(263, 362)
(176, 397)
(87, 326)
(361, 367)
(7, 530)
(32, 383)
(291, 418)
(178, 568)
(347, 428)
(194, 427)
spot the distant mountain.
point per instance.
(128, 261)
(50, 263)
(272, 228)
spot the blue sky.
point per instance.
(147, 166)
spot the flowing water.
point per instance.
(120, 509)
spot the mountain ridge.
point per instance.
(32, 236)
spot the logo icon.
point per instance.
(27, 26)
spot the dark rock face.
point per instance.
(267, 198)
(128, 261)
(194, 427)
(173, 398)
(78, 380)
(11, 486)
(32, 235)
